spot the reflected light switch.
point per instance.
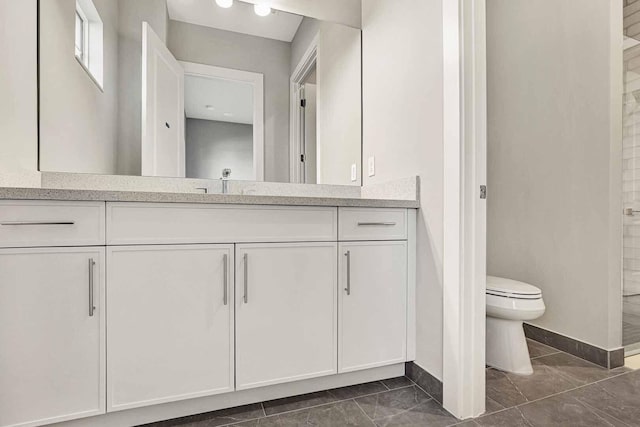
(372, 166)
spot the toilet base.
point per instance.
(507, 346)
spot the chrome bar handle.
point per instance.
(348, 288)
(376, 224)
(225, 282)
(246, 278)
(23, 223)
(92, 307)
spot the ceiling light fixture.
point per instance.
(209, 107)
(224, 3)
(262, 9)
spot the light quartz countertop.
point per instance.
(7, 193)
(401, 193)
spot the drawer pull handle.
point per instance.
(376, 224)
(92, 307)
(246, 278)
(21, 223)
(225, 281)
(348, 288)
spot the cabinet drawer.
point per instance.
(152, 223)
(35, 223)
(372, 224)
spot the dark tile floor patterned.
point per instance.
(563, 391)
(393, 402)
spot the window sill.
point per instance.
(90, 74)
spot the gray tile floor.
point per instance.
(563, 391)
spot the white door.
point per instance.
(372, 305)
(163, 121)
(52, 348)
(285, 313)
(170, 323)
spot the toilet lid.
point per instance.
(500, 286)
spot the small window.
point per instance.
(82, 32)
(89, 40)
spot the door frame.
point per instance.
(465, 164)
(256, 80)
(296, 129)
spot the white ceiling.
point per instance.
(239, 18)
(232, 101)
(345, 12)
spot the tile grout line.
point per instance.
(313, 406)
(264, 411)
(515, 387)
(561, 374)
(557, 394)
(597, 412)
(363, 411)
(555, 352)
(426, 392)
(523, 417)
(409, 409)
(580, 358)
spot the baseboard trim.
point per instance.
(425, 380)
(606, 358)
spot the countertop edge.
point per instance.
(9, 193)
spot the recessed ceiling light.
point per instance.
(209, 107)
(224, 3)
(228, 114)
(262, 9)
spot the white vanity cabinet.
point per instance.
(373, 295)
(372, 304)
(285, 312)
(52, 343)
(197, 306)
(170, 323)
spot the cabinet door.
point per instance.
(285, 313)
(170, 323)
(372, 304)
(52, 361)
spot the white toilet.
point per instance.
(509, 303)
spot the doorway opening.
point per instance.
(631, 194)
(304, 135)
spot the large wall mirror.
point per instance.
(198, 89)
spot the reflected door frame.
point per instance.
(297, 173)
(256, 80)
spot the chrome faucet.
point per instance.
(226, 173)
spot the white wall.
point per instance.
(339, 97)
(212, 146)
(403, 129)
(78, 120)
(18, 86)
(554, 159)
(194, 43)
(339, 104)
(307, 31)
(131, 16)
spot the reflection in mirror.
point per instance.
(224, 122)
(188, 88)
